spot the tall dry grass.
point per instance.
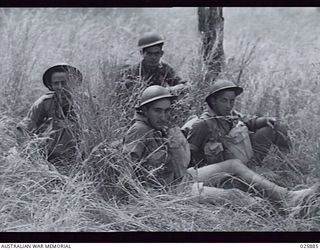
(274, 59)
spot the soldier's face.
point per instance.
(152, 55)
(223, 102)
(59, 81)
(158, 113)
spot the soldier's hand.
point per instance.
(265, 121)
(270, 121)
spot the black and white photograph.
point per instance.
(177, 119)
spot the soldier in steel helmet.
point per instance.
(151, 70)
(162, 157)
(53, 115)
(147, 138)
(210, 135)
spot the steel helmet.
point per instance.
(150, 39)
(60, 68)
(220, 85)
(154, 93)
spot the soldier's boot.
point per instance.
(302, 203)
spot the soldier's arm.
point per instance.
(31, 122)
(149, 167)
(134, 144)
(173, 79)
(249, 120)
(197, 138)
(254, 122)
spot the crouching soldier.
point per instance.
(222, 133)
(162, 156)
(53, 116)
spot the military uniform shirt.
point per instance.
(212, 127)
(163, 75)
(46, 118)
(149, 147)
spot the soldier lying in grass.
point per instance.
(53, 116)
(163, 156)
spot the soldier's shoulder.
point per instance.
(194, 124)
(44, 98)
(139, 129)
(207, 122)
(200, 123)
(48, 95)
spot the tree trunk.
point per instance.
(211, 24)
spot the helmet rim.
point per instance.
(46, 78)
(238, 90)
(149, 40)
(156, 97)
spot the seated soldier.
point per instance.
(150, 70)
(162, 156)
(53, 116)
(220, 126)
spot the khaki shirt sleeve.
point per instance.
(197, 135)
(197, 138)
(134, 142)
(34, 118)
(250, 121)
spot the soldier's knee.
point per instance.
(235, 166)
(266, 132)
(282, 139)
(237, 162)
